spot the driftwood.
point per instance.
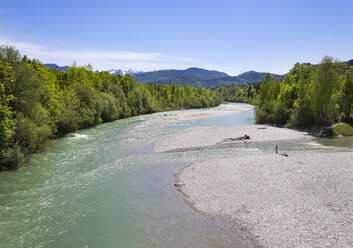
(179, 184)
(245, 137)
(240, 138)
(284, 154)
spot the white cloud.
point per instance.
(100, 59)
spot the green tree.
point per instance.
(7, 78)
(325, 82)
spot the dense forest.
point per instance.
(38, 104)
(310, 96)
(245, 93)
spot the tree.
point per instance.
(347, 94)
(7, 78)
(10, 54)
(325, 82)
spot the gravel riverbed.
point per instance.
(200, 138)
(303, 200)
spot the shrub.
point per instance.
(13, 158)
(344, 129)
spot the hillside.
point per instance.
(194, 73)
(56, 67)
(193, 76)
(247, 77)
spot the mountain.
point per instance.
(56, 67)
(181, 81)
(193, 76)
(244, 78)
(350, 62)
(132, 72)
(254, 76)
(194, 73)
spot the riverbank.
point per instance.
(195, 114)
(303, 200)
(296, 199)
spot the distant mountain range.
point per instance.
(131, 72)
(191, 73)
(245, 78)
(56, 67)
(193, 76)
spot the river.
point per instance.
(105, 187)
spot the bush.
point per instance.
(68, 122)
(281, 113)
(110, 111)
(25, 133)
(344, 129)
(12, 159)
(29, 136)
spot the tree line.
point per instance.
(239, 93)
(310, 96)
(38, 104)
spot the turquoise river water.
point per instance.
(105, 187)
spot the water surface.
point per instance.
(104, 187)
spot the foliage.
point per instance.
(39, 103)
(234, 93)
(343, 129)
(309, 95)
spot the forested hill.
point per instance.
(192, 73)
(194, 77)
(242, 79)
(37, 103)
(56, 67)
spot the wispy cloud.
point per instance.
(100, 59)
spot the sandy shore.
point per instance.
(304, 200)
(195, 114)
(199, 138)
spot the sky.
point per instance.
(229, 36)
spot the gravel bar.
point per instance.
(199, 138)
(303, 200)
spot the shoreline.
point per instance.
(201, 138)
(300, 199)
(247, 238)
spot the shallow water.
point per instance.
(104, 187)
(344, 142)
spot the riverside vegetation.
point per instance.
(38, 104)
(310, 96)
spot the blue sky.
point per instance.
(230, 36)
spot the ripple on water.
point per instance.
(98, 189)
